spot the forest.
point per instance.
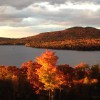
(43, 79)
(75, 38)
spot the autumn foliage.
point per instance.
(43, 79)
(75, 38)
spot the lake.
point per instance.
(16, 55)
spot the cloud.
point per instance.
(20, 4)
(45, 13)
(84, 1)
(36, 16)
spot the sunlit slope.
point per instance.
(75, 38)
(70, 33)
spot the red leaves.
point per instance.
(45, 75)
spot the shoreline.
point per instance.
(74, 49)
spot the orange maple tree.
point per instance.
(48, 73)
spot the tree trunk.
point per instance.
(60, 94)
(52, 95)
(49, 94)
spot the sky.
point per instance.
(22, 18)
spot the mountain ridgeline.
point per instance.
(75, 38)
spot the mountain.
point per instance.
(71, 33)
(74, 38)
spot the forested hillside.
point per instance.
(75, 38)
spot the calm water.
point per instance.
(16, 55)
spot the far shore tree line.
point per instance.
(43, 79)
(69, 44)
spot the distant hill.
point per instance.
(70, 33)
(75, 38)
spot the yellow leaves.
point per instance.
(48, 73)
(47, 58)
(90, 81)
(93, 81)
(50, 79)
(14, 77)
(86, 80)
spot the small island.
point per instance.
(74, 38)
